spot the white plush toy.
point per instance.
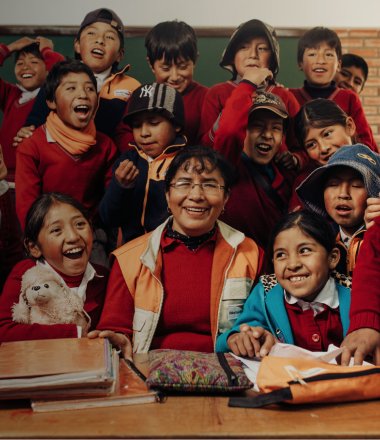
(45, 299)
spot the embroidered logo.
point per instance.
(123, 93)
(264, 99)
(364, 156)
(146, 91)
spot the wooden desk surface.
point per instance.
(192, 417)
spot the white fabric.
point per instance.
(101, 78)
(328, 295)
(49, 138)
(79, 330)
(26, 94)
(346, 239)
(4, 185)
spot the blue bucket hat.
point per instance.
(359, 157)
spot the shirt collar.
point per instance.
(346, 239)
(3, 187)
(26, 94)
(49, 138)
(327, 296)
(101, 78)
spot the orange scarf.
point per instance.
(74, 141)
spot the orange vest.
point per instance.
(234, 269)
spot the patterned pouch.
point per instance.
(194, 371)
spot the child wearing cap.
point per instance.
(253, 57)
(135, 199)
(67, 154)
(100, 45)
(319, 57)
(172, 55)
(339, 191)
(33, 61)
(249, 136)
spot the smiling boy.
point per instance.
(67, 154)
(353, 73)
(339, 191)
(249, 136)
(135, 199)
(319, 56)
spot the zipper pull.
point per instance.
(300, 381)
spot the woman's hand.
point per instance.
(126, 173)
(118, 341)
(361, 343)
(251, 341)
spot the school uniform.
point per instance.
(347, 100)
(92, 292)
(16, 103)
(312, 326)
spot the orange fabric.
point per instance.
(74, 141)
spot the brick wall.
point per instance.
(366, 43)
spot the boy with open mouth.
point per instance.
(67, 154)
(339, 191)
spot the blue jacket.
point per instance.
(265, 308)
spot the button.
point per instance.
(315, 338)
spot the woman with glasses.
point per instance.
(186, 282)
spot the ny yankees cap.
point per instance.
(359, 157)
(158, 98)
(271, 102)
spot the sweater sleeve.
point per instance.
(365, 293)
(39, 112)
(119, 305)
(252, 314)
(28, 180)
(123, 135)
(13, 331)
(51, 57)
(229, 138)
(111, 158)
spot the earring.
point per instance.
(169, 210)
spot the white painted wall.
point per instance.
(280, 13)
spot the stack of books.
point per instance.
(69, 374)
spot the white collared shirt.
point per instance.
(101, 78)
(26, 94)
(328, 295)
(346, 239)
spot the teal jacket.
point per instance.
(265, 308)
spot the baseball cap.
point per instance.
(158, 98)
(273, 103)
(359, 157)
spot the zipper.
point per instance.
(231, 376)
(333, 376)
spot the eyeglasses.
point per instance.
(210, 188)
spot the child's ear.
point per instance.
(196, 59)
(350, 127)
(339, 66)
(77, 45)
(51, 104)
(177, 128)
(300, 66)
(120, 55)
(334, 258)
(33, 249)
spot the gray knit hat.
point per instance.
(158, 98)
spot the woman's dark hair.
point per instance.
(318, 113)
(33, 49)
(59, 71)
(315, 37)
(172, 39)
(310, 223)
(35, 217)
(208, 159)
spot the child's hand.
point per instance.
(25, 132)
(360, 343)
(19, 44)
(118, 341)
(372, 211)
(44, 42)
(251, 341)
(286, 159)
(127, 173)
(281, 86)
(257, 75)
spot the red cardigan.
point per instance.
(350, 103)
(365, 293)
(43, 167)
(248, 209)
(15, 114)
(13, 331)
(10, 243)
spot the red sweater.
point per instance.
(10, 243)
(13, 331)
(193, 98)
(185, 322)
(43, 167)
(248, 209)
(365, 293)
(350, 103)
(15, 114)
(315, 333)
(215, 102)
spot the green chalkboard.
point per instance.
(207, 71)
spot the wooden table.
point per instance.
(185, 416)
